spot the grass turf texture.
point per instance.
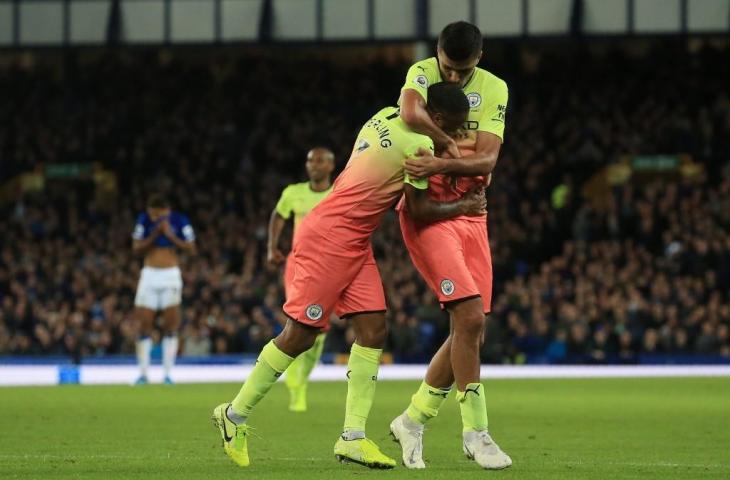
(553, 429)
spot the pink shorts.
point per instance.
(327, 278)
(452, 256)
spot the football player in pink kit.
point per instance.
(335, 271)
(453, 255)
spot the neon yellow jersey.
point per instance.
(486, 92)
(385, 142)
(372, 181)
(299, 199)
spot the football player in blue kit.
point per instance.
(158, 232)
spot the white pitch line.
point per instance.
(126, 457)
(650, 464)
(312, 459)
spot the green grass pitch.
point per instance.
(553, 429)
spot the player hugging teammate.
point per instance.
(450, 104)
(452, 255)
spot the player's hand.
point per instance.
(423, 164)
(474, 202)
(274, 258)
(452, 149)
(166, 229)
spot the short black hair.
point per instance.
(461, 41)
(157, 200)
(447, 98)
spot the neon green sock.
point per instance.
(270, 365)
(297, 375)
(362, 375)
(426, 402)
(473, 407)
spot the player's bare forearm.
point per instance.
(434, 211)
(475, 165)
(424, 210)
(481, 162)
(413, 113)
(143, 246)
(276, 225)
(184, 245)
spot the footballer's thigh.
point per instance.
(321, 272)
(437, 252)
(478, 257)
(145, 318)
(170, 289)
(171, 319)
(363, 302)
(288, 273)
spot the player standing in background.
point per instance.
(335, 270)
(157, 233)
(299, 199)
(453, 255)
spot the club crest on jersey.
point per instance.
(447, 287)
(314, 312)
(474, 99)
(421, 81)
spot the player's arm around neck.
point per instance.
(414, 114)
(480, 163)
(423, 209)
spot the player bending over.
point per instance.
(453, 255)
(299, 199)
(157, 233)
(334, 270)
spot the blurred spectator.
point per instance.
(574, 281)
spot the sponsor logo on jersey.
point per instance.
(314, 312)
(501, 111)
(421, 81)
(362, 145)
(474, 99)
(447, 287)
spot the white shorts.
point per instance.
(159, 288)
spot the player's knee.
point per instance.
(145, 324)
(296, 338)
(470, 323)
(374, 336)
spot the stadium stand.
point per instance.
(644, 272)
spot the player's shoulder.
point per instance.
(178, 217)
(415, 140)
(422, 73)
(488, 80)
(427, 65)
(142, 218)
(296, 188)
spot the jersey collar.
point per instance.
(441, 79)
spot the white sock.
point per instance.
(349, 435)
(234, 417)
(169, 352)
(144, 345)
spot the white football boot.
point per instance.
(410, 436)
(480, 447)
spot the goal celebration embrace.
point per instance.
(319, 239)
(448, 107)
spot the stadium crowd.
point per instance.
(649, 274)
